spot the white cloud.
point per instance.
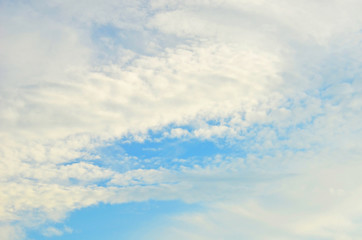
(313, 21)
(303, 206)
(177, 133)
(281, 74)
(10, 232)
(52, 231)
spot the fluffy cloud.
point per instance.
(280, 79)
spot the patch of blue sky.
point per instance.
(158, 151)
(129, 221)
(167, 153)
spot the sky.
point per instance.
(192, 119)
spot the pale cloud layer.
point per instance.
(282, 79)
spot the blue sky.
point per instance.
(125, 221)
(180, 120)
